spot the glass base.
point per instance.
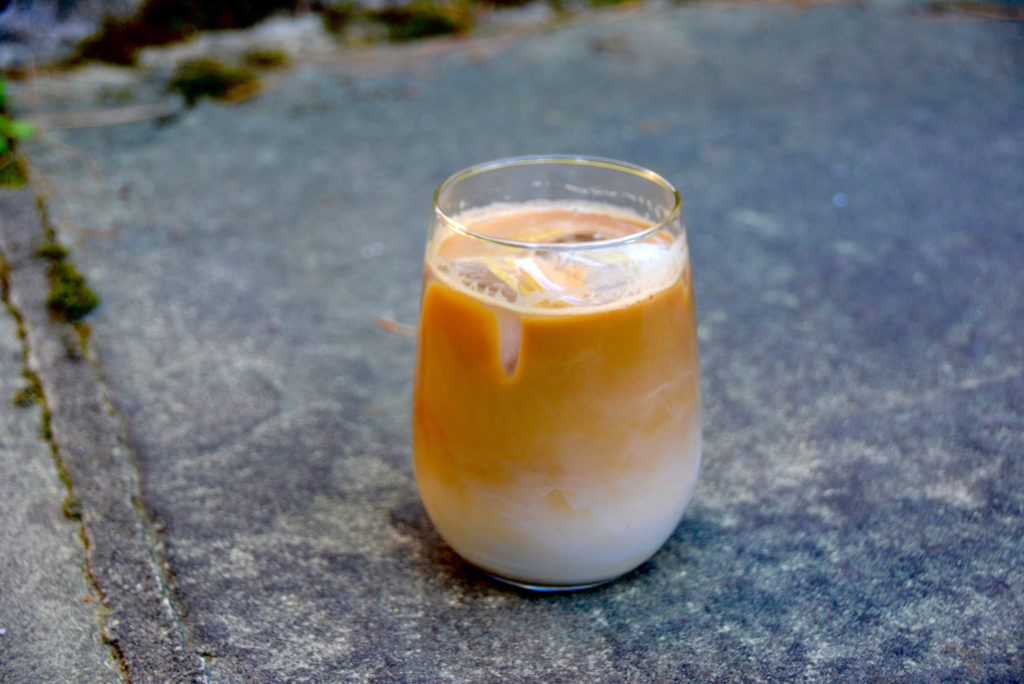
(547, 588)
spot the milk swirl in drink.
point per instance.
(556, 421)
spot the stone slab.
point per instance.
(852, 182)
(49, 611)
(87, 445)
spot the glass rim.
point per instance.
(578, 160)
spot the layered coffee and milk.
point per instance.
(556, 421)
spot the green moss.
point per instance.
(209, 78)
(46, 429)
(25, 397)
(338, 15)
(52, 250)
(29, 395)
(62, 471)
(72, 507)
(265, 58)
(33, 393)
(70, 297)
(12, 171)
(422, 20)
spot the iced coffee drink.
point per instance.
(556, 420)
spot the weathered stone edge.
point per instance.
(139, 621)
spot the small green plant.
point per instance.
(12, 131)
(205, 77)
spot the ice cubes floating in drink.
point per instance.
(546, 279)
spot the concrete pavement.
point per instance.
(853, 188)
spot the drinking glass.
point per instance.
(556, 410)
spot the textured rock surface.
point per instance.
(49, 612)
(88, 451)
(853, 185)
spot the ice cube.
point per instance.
(600, 276)
(547, 278)
(482, 275)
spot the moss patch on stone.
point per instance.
(265, 58)
(423, 20)
(70, 297)
(204, 77)
(52, 250)
(71, 507)
(31, 394)
(336, 16)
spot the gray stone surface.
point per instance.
(49, 611)
(87, 442)
(854, 189)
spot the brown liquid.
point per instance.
(555, 442)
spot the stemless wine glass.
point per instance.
(556, 411)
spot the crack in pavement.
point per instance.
(139, 621)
